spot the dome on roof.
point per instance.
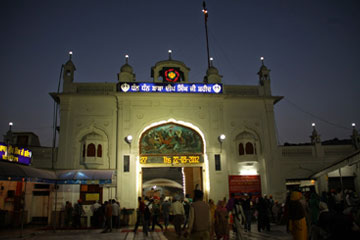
(126, 68)
(212, 70)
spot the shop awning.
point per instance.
(85, 176)
(16, 172)
(347, 161)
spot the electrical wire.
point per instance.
(315, 116)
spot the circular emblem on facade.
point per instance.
(172, 75)
(125, 87)
(217, 88)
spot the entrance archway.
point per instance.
(175, 146)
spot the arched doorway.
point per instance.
(175, 152)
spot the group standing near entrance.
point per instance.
(306, 216)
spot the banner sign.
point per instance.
(249, 184)
(189, 159)
(214, 88)
(15, 154)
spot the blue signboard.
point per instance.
(15, 154)
(214, 88)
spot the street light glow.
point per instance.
(10, 124)
(222, 137)
(313, 124)
(353, 124)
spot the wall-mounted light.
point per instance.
(128, 139)
(222, 138)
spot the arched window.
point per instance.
(91, 150)
(241, 149)
(83, 150)
(99, 151)
(249, 148)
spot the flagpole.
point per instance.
(206, 32)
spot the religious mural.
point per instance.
(170, 139)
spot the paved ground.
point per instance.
(277, 233)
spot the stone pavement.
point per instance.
(276, 233)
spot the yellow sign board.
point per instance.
(189, 159)
(92, 196)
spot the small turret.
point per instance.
(355, 137)
(315, 137)
(212, 74)
(264, 77)
(68, 76)
(126, 72)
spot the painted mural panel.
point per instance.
(171, 139)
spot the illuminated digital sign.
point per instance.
(15, 154)
(188, 159)
(214, 88)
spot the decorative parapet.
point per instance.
(338, 151)
(95, 88)
(296, 152)
(242, 90)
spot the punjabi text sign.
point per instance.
(214, 88)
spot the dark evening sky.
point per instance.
(312, 48)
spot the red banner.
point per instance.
(249, 184)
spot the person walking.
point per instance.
(263, 214)
(140, 218)
(165, 208)
(212, 207)
(239, 219)
(108, 217)
(78, 212)
(248, 213)
(199, 218)
(297, 222)
(221, 220)
(68, 213)
(178, 212)
(95, 209)
(115, 213)
(156, 213)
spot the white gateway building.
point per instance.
(123, 139)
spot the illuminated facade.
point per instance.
(173, 122)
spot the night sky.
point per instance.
(312, 48)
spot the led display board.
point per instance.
(15, 154)
(173, 160)
(214, 88)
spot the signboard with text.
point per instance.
(15, 154)
(174, 160)
(241, 184)
(170, 88)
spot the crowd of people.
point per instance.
(106, 215)
(307, 216)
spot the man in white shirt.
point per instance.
(178, 212)
(115, 213)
